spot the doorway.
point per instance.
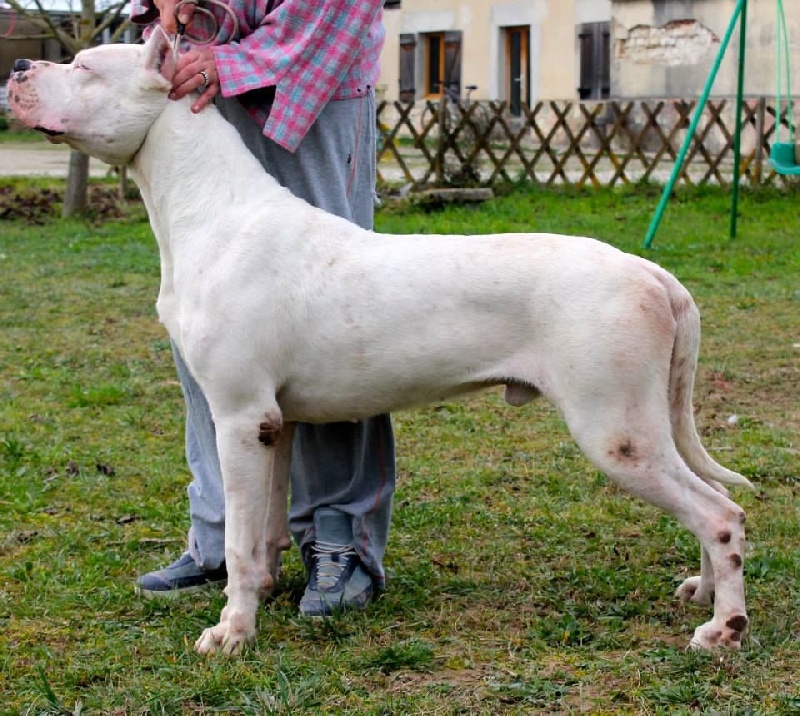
(518, 73)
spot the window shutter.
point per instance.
(408, 66)
(452, 62)
(594, 46)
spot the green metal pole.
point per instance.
(784, 62)
(662, 205)
(737, 146)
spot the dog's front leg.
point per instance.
(249, 448)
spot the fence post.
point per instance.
(758, 159)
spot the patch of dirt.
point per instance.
(35, 205)
(771, 393)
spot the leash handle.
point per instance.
(211, 18)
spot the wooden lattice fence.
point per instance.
(599, 143)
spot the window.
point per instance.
(518, 68)
(594, 46)
(442, 63)
(408, 68)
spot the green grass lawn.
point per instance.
(520, 580)
(19, 135)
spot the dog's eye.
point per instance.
(80, 66)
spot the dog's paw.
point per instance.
(228, 637)
(728, 635)
(693, 590)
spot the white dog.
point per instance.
(285, 313)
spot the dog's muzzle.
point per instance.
(19, 77)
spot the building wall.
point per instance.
(553, 48)
(14, 43)
(666, 48)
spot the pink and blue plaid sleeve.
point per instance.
(304, 49)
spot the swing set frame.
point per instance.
(784, 156)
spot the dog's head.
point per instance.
(103, 102)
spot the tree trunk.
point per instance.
(123, 183)
(76, 199)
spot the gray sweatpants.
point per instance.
(347, 466)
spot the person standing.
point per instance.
(296, 79)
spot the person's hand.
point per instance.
(196, 70)
(166, 9)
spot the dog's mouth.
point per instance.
(48, 132)
(51, 134)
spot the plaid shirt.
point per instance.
(310, 52)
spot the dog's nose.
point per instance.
(21, 65)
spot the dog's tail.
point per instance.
(681, 389)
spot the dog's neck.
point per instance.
(173, 168)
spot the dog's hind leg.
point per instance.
(250, 447)
(278, 538)
(700, 589)
(638, 453)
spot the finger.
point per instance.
(205, 98)
(185, 13)
(194, 83)
(194, 77)
(189, 66)
(186, 72)
(190, 78)
(166, 9)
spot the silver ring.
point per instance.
(204, 75)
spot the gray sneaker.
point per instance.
(337, 580)
(181, 577)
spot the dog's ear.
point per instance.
(159, 55)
